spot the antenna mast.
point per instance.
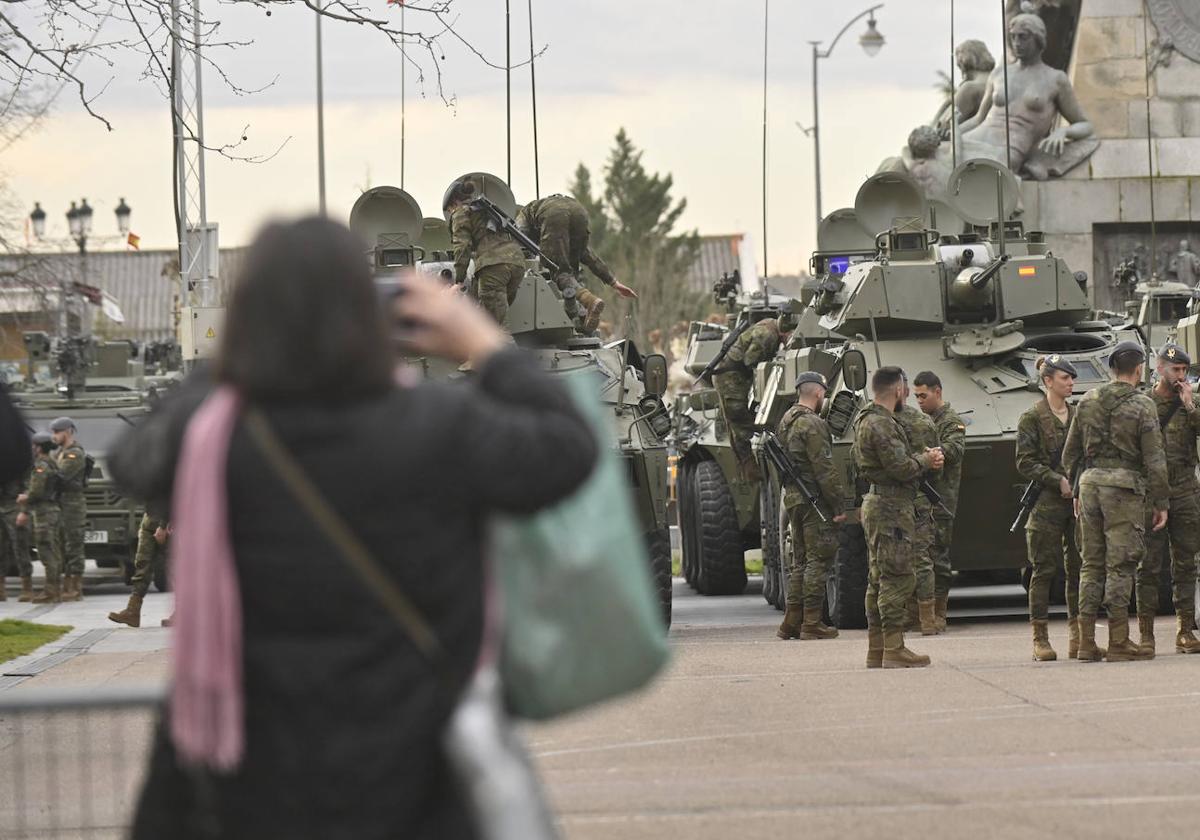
(766, 21)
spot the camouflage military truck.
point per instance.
(1157, 308)
(717, 505)
(629, 383)
(975, 308)
(104, 390)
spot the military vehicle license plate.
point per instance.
(95, 537)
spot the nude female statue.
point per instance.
(1039, 95)
(976, 63)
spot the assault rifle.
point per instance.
(1033, 491)
(727, 345)
(934, 497)
(773, 449)
(502, 222)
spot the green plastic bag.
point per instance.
(582, 622)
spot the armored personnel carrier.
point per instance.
(104, 388)
(629, 383)
(976, 305)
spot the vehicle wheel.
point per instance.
(658, 546)
(847, 588)
(687, 538)
(720, 562)
(768, 522)
(162, 585)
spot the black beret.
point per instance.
(1173, 354)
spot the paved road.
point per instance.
(747, 737)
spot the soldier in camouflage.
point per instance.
(921, 435)
(1050, 528)
(734, 378)
(807, 440)
(882, 456)
(559, 225)
(952, 440)
(1180, 423)
(151, 550)
(499, 260)
(72, 464)
(1115, 448)
(14, 540)
(41, 501)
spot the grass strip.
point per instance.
(18, 638)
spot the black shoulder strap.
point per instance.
(1166, 418)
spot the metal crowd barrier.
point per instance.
(72, 760)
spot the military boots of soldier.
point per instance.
(1072, 638)
(72, 588)
(593, 307)
(26, 590)
(1120, 647)
(1185, 637)
(1089, 651)
(814, 628)
(1042, 652)
(896, 655)
(941, 604)
(1146, 633)
(131, 615)
(50, 594)
(792, 619)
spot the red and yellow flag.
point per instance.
(134, 241)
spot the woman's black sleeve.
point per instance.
(518, 441)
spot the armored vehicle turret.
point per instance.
(629, 383)
(977, 306)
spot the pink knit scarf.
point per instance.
(206, 695)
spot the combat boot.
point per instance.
(26, 590)
(1042, 652)
(71, 587)
(3, 589)
(169, 621)
(940, 603)
(1072, 638)
(896, 655)
(814, 628)
(1088, 652)
(1146, 631)
(1120, 648)
(790, 628)
(131, 615)
(50, 594)
(928, 612)
(593, 307)
(1185, 639)
(874, 647)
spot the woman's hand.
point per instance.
(438, 321)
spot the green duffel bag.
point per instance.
(581, 619)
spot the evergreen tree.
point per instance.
(633, 230)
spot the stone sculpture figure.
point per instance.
(1184, 265)
(1038, 95)
(975, 63)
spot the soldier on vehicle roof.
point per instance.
(499, 260)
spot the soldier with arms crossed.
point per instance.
(1115, 448)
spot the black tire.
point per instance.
(687, 537)
(786, 552)
(720, 561)
(846, 591)
(658, 546)
(162, 584)
(768, 522)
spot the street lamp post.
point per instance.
(79, 226)
(871, 42)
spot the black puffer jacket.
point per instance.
(343, 717)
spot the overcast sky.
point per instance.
(684, 77)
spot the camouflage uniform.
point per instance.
(1115, 446)
(882, 455)
(1050, 529)
(499, 260)
(72, 461)
(734, 378)
(14, 541)
(952, 438)
(1182, 534)
(921, 435)
(809, 444)
(149, 552)
(42, 504)
(559, 225)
